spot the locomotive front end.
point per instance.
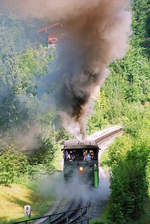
(81, 161)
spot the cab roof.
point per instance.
(95, 140)
(76, 144)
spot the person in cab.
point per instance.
(86, 156)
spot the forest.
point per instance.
(29, 137)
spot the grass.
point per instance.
(15, 197)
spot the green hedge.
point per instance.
(13, 164)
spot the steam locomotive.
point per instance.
(81, 160)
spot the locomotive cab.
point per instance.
(81, 161)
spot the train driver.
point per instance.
(86, 156)
(92, 154)
(66, 155)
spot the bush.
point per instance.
(128, 193)
(13, 164)
(45, 153)
(130, 178)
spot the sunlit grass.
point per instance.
(15, 197)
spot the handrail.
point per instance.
(49, 216)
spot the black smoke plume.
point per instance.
(95, 33)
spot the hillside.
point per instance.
(29, 137)
(125, 99)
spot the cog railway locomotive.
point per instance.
(81, 160)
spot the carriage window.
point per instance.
(80, 155)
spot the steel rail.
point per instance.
(73, 206)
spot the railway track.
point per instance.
(74, 211)
(70, 212)
(73, 216)
(106, 136)
(58, 209)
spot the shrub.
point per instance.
(13, 164)
(45, 153)
(129, 181)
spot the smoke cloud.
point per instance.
(75, 188)
(93, 34)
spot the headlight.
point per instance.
(81, 169)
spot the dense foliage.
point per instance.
(27, 126)
(130, 169)
(28, 139)
(13, 164)
(125, 99)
